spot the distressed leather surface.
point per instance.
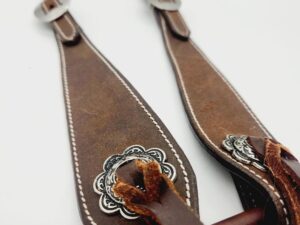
(216, 110)
(105, 116)
(108, 116)
(179, 29)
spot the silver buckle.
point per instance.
(54, 13)
(169, 5)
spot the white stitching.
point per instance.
(200, 128)
(149, 115)
(72, 134)
(256, 120)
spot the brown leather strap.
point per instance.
(250, 217)
(180, 30)
(177, 24)
(215, 110)
(246, 192)
(106, 116)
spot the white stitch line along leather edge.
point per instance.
(72, 135)
(73, 139)
(200, 128)
(151, 118)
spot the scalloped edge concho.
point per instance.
(242, 151)
(104, 182)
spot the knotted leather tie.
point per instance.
(159, 202)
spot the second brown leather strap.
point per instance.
(216, 110)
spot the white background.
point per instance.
(254, 43)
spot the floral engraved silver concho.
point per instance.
(242, 151)
(104, 182)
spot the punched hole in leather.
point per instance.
(109, 124)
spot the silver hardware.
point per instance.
(52, 14)
(169, 5)
(104, 182)
(242, 151)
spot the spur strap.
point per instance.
(109, 124)
(223, 122)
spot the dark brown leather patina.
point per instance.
(106, 115)
(215, 110)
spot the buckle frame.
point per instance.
(54, 13)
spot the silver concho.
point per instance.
(242, 151)
(104, 182)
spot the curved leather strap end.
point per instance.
(176, 24)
